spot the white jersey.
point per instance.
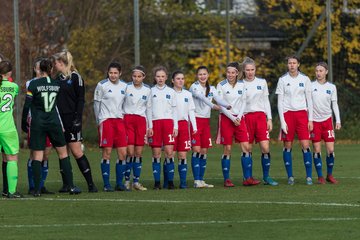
(108, 100)
(324, 96)
(296, 92)
(234, 95)
(163, 104)
(185, 107)
(137, 100)
(203, 104)
(257, 96)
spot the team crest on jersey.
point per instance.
(186, 99)
(144, 97)
(210, 94)
(168, 96)
(301, 84)
(69, 82)
(258, 87)
(328, 92)
(239, 92)
(122, 92)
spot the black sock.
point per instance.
(66, 168)
(65, 183)
(36, 169)
(5, 181)
(85, 169)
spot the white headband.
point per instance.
(138, 70)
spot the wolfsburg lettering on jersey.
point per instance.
(48, 88)
(7, 89)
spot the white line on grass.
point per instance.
(188, 201)
(178, 222)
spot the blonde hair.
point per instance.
(66, 58)
(247, 60)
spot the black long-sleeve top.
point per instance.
(71, 99)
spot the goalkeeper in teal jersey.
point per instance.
(9, 139)
(45, 121)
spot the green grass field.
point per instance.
(259, 212)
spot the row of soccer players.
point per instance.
(177, 120)
(127, 113)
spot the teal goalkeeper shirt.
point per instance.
(8, 92)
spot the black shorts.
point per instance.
(38, 137)
(70, 136)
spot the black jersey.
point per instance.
(41, 99)
(71, 98)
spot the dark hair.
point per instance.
(323, 64)
(46, 66)
(5, 67)
(139, 68)
(1, 57)
(114, 65)
(207, 85)
(234, 65)
(37, 60)
(157, 69)
(293, 57)
(173, 75)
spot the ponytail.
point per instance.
(67, 59)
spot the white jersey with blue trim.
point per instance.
(185, 107)
(234, 95)
(295, 91)
(108, 100)
(137, 100)
(163, 101)
(203, 104)
(324, 96)
(257, 96)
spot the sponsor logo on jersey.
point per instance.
(186, 99)
(315, 90)
(122, 92)
(258, 87)
(144, 97)
(154, 95)
(131, 95)
(328, 92)
(227, 92)
(168, 96)
(109, 90)
(288, 84)
(301, 84)
(240, 92)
